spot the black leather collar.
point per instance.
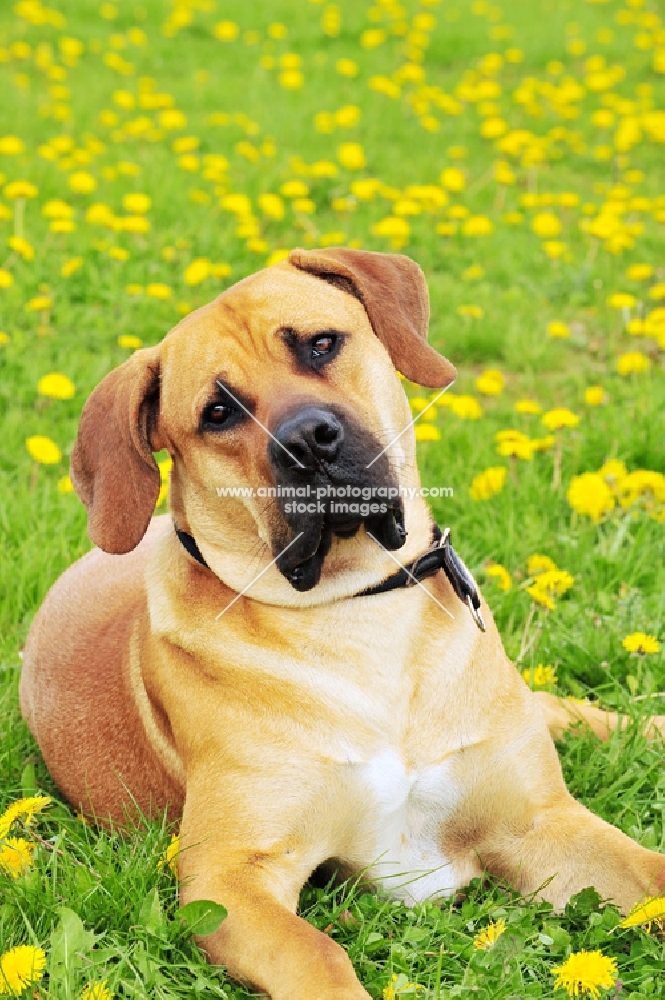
(190, 546)
(440, 555)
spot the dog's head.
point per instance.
(283, 391)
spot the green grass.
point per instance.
(128, 934)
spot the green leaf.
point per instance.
(151, 915)
(559, 936)
(202, 917)
(29, 780)
(70, 942)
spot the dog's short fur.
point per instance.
(305, 723)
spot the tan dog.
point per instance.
(299, 722)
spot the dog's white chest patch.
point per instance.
(405, 809)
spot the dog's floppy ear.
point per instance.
(112, 467)
(393, 290)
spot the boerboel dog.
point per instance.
(253, 663)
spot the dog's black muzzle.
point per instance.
(329, 482)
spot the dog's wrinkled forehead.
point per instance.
(243, 327)
(284, 296)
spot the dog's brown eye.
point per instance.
(217, 414)
(323, 345)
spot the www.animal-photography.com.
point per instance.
(332, 499)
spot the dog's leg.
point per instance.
(262, 940)
(566, 848)
(562, 713)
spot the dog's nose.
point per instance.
(311, 436)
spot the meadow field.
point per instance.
(151, 155)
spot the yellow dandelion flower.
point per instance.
(393, 226)
(586, 972)
(82, 182)
(277, 256)
(633, 362)
(654, 324)
(501, 574)
(473, 273)
(470, 311)
(594, 395)
(509, 434)
(226, 31)
(23, 809)
(492, 128)
(137, 203)
(291, 79)
(6, 278)
(129, 341)
(546, 225)
(622, 300)
(237, 203)
(639, 272)
(132, 224)
(271, 205)
(488, 936)
(21, 246)
(453, 179)
(220, 270)
(558, 329)
(465, 407)
(516, 447)
(554, 248)
(351, 155)
(71, 266)
(650, 910)
(43, 450)
(590, 494)
(488, 483)
(65, 485)
(39, 304)
(544, 443)
(305, 205)
(16, 855)
(657, 292)
(294, 189)
(540, 676)
(399, 986)
(640, 642)
(347, 67)
(477, 225)
(11, 145)
(97, 990)
(490, 383)
(642, 484)
(169, 857)
(56, 386)
(157, 290)
(548, 585)
(197, 271)
(172, 118)
(21, 967)
(554, 420)
(538, 563)
(527, 406)
(427, 432)
(16, 190)
(613, 471)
